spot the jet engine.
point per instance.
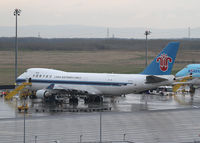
(42, 93)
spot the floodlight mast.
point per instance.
(146, 33)
(16, 14)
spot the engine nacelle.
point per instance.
(42, 93)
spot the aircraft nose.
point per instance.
(19, 79)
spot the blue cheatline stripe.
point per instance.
(75, 82)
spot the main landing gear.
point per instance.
(90, 99)
(73, 100)
(93, 99)
(54, 99)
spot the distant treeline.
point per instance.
(75, 44)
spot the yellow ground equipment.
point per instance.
(177, 86)
(16, 90)
(24, 93)
(23, 107)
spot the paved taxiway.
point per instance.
(149, 127)
(161, 119)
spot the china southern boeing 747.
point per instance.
(51, 83)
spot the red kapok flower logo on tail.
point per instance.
(164, 59)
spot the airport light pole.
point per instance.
(100, 126)
(81, 138)
(24, 121)
(146, 33)
(100, 121)
(124, 137)
(16, 13)
(35, 139)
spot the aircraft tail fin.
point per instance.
(51, 86)
(163, 63)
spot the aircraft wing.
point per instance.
(181, 83)
(185, 81)
(82, 90)
(184, 78)
(194, 81)
(154, 79)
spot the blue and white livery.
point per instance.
(192, 70)
(47, 81)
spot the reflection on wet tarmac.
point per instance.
(128, 103)
(151, 122)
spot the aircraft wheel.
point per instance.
(192, 89)
(98, 99)
(73, 101)
(70, 100)
(32, 97)
(86, 100)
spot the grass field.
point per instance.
(85, 61)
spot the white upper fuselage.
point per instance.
(94, 83)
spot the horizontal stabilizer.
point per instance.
(154, 79)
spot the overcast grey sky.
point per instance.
(106, 13)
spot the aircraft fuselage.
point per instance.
(96, 83)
